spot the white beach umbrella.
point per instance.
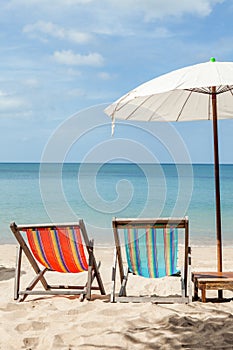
(201, 91)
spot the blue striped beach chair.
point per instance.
(63, 248)
(151, 250)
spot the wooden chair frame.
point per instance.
(121, 223)
(83, 291)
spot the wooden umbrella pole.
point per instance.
(217, 185)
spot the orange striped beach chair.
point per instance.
(63, 248)
(150, 247)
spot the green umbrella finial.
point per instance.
(212, 59)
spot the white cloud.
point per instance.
(77, 93)
(43, 30)
(18, 114)
(153, 9)
(110, 12)
(47, 4)
(104, 76)
(77, 21)
(10, 103)
(162, 32)
(68, 57)
(128, 17)
(2, 94)
(33, 83)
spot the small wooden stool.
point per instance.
(212, 281)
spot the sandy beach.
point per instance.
(61, 322)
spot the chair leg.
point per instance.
(112, 296)
(122, 292)
(93, 276)
(98, 277)
(90, 268)
(17, 272)
(88, 244)
(182, 284)
(189, 282)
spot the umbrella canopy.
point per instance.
(181, 95)
(201, 91)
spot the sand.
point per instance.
(60, 322)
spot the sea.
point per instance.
(52, 192)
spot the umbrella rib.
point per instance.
(224, 89)
(231, 92)
(184, 104)
(116, 109)
(199, 90)
(153, 113)
(141, 104)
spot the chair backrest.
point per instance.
(152, 252)
(151, 245)
(57, 247)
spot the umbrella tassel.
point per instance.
(113, 125)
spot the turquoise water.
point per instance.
(31, 193)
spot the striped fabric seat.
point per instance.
(59, 248)
(152, 252)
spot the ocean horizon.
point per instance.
(96, 192)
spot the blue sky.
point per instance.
(67, 59)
